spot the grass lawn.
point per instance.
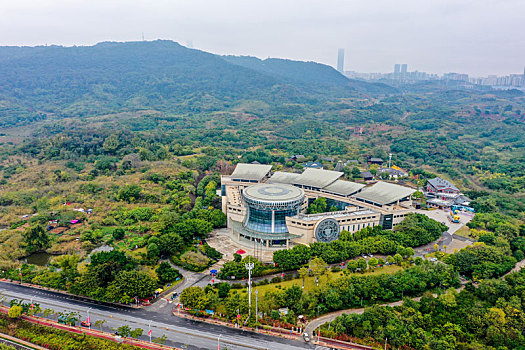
(309, 282)
(463, 231)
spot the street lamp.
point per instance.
(219, 342)
(249, 266)
(256, 313)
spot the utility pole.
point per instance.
(88, 318)
(149, 331)
(386, 340)
(249, 266)
(390, 160)
(219, 342)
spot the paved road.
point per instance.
(182, 333)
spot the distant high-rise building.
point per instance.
(341, 60)
(397, 69)
(523, 78)
(404, 69)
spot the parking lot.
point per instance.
(442, 216)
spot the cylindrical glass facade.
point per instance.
(267, 215)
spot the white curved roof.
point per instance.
(245, 171)
(317, 177)
(384, 193)
(283, 177)
(343, 187)
(273, 192)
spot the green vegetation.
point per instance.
(347, 291)
(56, 339)
(487, 317)
(122, 145)
(415, 230)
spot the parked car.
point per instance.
(370, 256)
(85, 324)
(364, 256)
(433, 259)
(306, 337)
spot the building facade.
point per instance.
(270, 208)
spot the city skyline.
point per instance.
(478, 38)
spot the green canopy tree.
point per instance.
(36, 239)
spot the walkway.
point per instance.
(519, 266)
(316, 323)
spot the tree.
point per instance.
(356, 174)
(292, 296)
(124, 331)
(130, 193)
(362, 264)
(134, 284)
(100, 323)
(111, 143)
(372, 263)
(398, 259)
(223, 289)
(136, 333)
(15, 311)
(36, 239)
(194, 298)
(390, 260)
(166, 273)
(352, 265)
(170, 244)
(160, 340)
(409, 251)
(303, 272)
(318, 267)
(153, 251)
(118, 233)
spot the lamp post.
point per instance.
(249, 266)
(219, 342)
(88, 318)
(256, 313)
(386, 339)
(149, 331)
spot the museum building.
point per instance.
(268, 209)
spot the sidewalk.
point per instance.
(92, 332)
(75, 296)
(283, 333)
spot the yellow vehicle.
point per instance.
(453, 217)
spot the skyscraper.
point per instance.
(397, 70)
(341, 60)
(403, 69)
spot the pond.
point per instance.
(40, 259)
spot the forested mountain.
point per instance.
(162, 75)
(309, 73)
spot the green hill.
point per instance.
(112, 77)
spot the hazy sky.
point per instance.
(479, 37)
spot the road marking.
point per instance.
(183, 331)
